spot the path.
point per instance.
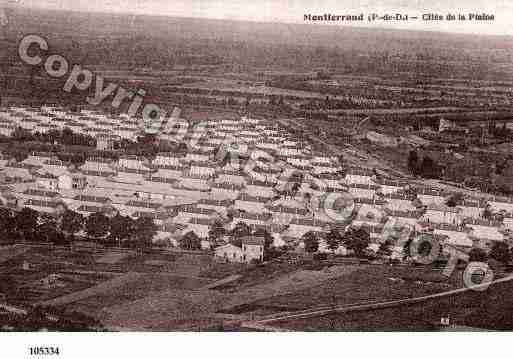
(316, 312)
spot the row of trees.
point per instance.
(358, 240)
(354, 239)
(64, 137)
(121, 230)
(29, 225)
(148, 146)
(499, 252)
(75, 148)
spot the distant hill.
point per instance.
(262, 44)
(80, 24)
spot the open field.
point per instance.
(10, 252)
(37, 274)
(180, 295)
(132, 289)
(490, 309)
(364, 283)
(110, 285)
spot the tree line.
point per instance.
(69, 226)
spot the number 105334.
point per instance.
(43, 351)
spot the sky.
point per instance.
(292, 11)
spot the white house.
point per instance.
(229, 253)
(440, 213)
(252, 250)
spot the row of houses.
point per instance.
(188, 192)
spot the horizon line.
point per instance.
(278, 22)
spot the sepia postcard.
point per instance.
(331, 166)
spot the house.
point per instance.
(47, 181)
(252, 250)
(72, 181)
(485, 234)
(229, 253)
(139, 164)
(429, 196)
(105, 142)
(472, 208)
(440, 213)
(454, 238)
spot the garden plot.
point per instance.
(113, 257)
(10, 252)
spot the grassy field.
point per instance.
(34, 274)
(170, 291)
(10, 252)
(133, 289)
(367, 283)
(491, 309)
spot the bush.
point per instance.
(500, 252)
(477, 255)
(320, 256)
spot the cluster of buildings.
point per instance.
(106, 129)
(190, 191)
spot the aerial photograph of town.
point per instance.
(189, 174)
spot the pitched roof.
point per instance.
(253, 241)
(442, 208)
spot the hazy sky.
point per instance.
(293, 10)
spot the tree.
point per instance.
(311, 242)
(240, 230)
(413, 162)
(71, 222)
(385, 248)
(454, 200)
(406, 247)
(21, 134)
(334, 239)
(190, 241)
(216, 231)
(144, 230)
(477, 255)
(18, 154)
(7, 226)
(68, 137)
(428, 168)
(357, 239)
(500, 252)
(487, 212)
(341, 160)
(97, 225)
(121, 227)
(47, 231)
(26, 223)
